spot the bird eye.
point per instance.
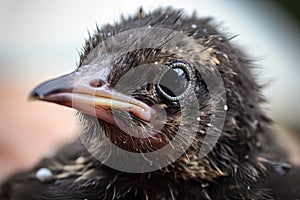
(175, 80)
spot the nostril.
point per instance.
(96, 83)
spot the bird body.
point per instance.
(235, 166)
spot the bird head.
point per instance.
(159, 88)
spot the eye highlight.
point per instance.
(175, 81)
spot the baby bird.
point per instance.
(168, 109)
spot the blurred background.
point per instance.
(40, 39)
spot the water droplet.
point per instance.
(209, 124)
(43, 174)
(80, 160)
(204, 185)
(149, 26)
(156, 62)
(166, 16)
(130, 35)
(225, 107)
(258, 144)
(194, 26)
(109, 33)
(198, 119)
(247, 157)
(248, 187)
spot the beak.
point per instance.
(91, 96)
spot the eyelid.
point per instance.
(182, 65)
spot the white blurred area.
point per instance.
(39, 39)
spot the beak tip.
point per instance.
(34, 95)
(53, 86)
